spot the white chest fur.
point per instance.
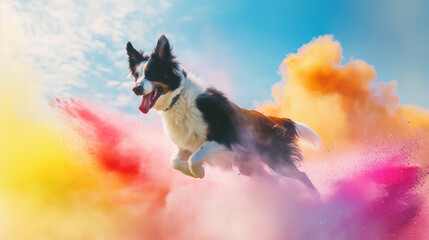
(184, 123)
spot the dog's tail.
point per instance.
(307, 136)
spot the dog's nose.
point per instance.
(138, 90)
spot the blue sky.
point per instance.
(78, 47)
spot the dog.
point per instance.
(203, 123)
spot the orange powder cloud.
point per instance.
(342, 103)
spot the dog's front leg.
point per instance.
(197, 158)
(179, 161)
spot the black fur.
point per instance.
(163, 49)
(134, 58)
(275, 140)
(272, 137)
(163, 72)
(162, 65)
(217, 113)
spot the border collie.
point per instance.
(206, 127)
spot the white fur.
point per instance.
(197, 158)
(224, 160)
(185, 126)
(307, 136)
(183, 123)
(147, 85)
(179, 161)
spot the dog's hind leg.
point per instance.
(179, 161)
(302, 176)
(292, 172)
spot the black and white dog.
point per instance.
(202, 123)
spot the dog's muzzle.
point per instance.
(138, 90)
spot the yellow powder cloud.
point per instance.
(49, 189)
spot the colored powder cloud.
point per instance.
(372, 202)
(49, 187)
(342, 103)
(81, 170)
(359, 120)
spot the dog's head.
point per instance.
(156, 76)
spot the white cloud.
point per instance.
(73, 44)
(127, 85)
(112, 83)
(103, 69)
(122, 100)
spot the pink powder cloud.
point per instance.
(380, 199)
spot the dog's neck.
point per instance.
(182, 98)
(173, 101)
(184, 122)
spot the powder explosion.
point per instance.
(85, 171)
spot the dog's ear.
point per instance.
(134, 57)
(163, 49)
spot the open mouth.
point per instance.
(148, 100)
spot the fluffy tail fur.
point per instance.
(307, 136)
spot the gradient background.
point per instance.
(79, 161)
(78, 46)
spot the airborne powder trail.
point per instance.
(372, 203)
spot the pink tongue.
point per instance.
(145, 104)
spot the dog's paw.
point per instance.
(181, 166)
(195, 162)
(197, 170)
(178, 164)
